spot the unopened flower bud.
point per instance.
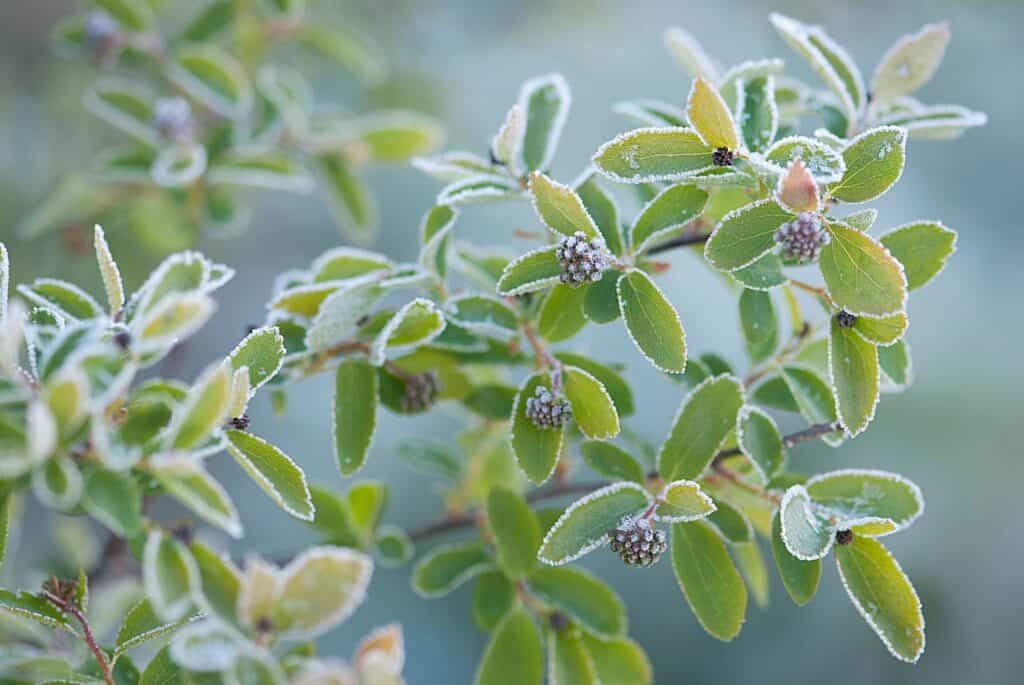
(638, 542)
(802, 238)
(583, 259)
(546, 410)
(172, 118)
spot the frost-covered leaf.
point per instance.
(764, 273)
(874, 162)
(731, 522)
(509, 137)
(355, 413)
(214, 77)
(254, 666)
(115, 500)
(936, 122)
(109, 272)
(278, 476)
(584, 526)
(515, 655)
(562, 315)
(535, 449)
(800, 578)
(204, 410)
(32, 607)
(860, 274)
(710, 116)
(545, 103)
(797, 190)
(909, 63)
(895, 363)
(583, 598)
(702, 423)
(484, 315)
(179, 166)
(854, 372)
(857, 494)
(667, 214)
(689, 54)
(5, 281)
(477, 189)
(759, 324)
(601, 299)
(319, 589)
(923, 248)
(611, 461)
(444, 568)
(757, 114)
(211, 20)
(560, 208)
(824, 163)
(682, 501)
(180, 273)
(601, 207)
(339, 314)
(435, 238)
(189, 483)
(141, 625)
(177, 317)
(414, 325)
(205, 646)
(169, 573)
(58, 483)
(219, 584)
(645, 155)
(621, 661)
(812, 396)
(261, 352)
(68, 300)
(381, 136)
(651, 112)
(592, 406)
(760, 441)
(532, 271)
(453, 166)
(806, 530)
(516, 532)
(708, 579)
(745, 235)
(652, 322)
(124, 105)
(619, 390)
(882, 330)
(883, 595)
(352, 205)
(862, 220)
(268, 170)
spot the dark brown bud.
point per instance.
(722, 156)
(845, 319)
(844, 537)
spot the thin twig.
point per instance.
(87, 636)
(681, 241)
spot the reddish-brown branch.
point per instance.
(87, 636)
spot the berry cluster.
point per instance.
(583, 261)
(420, 392)
(638, 542)
(172, 118)
(802, 238)
(547, 411)
(722, 156)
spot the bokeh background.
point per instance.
(955, 432)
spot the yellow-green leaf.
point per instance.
(853, 366)
(710, 117)
(860, 274)
(645, 155)
(705, 418)
(708, 579)
(652, 322)
(560, 208)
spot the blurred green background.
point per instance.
(952, 432)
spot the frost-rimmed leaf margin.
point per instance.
(692, 486)
(357, 592)
(876, 473)
(675, 313)
(467, 574)
(792, 493)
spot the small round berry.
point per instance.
(558, 621)
(123, 339)
(845, 319)
(546, 410)
(722, 156)
(101, 35)
(844, 537)
(420, 392)
(638, 542)
(239, 422)
(172, 118)
(583, 260)
(802, 238)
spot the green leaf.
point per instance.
(568, 660)
(874, 162)
(853, 367)
(352, 205)
(923, 248)
(532, 271)
(27, 605)
(383, 136)
(134, 15)
(611, 462)
(710, 117)
(584, 526)
(187, 481)
(645, 155)
(275, 473)
(759, 439)
(592, 406)
(812, 396)
(355, 413)
(319, 589)
(210, 21)
(862, 220)
(435, 236)
(732, 523)
(757, 112)
(652, 322)
(581, 597)
(58, 483)
(203, 411)
(114, 499)
(600, 299)
(619, 390)
(545, 102)
(667, 214)
(483, 315)
(265, 170)
(339, 315)
(854, 494)
(415, 324)
(491, 401)
(882, 331)
(176, 317)
(162, 670)
(621, 661)
(935, 122)
(168, 573)
(515, 655)
(825, 164)
(444, 568)
(7, 504)
(704, 420)
(69, 300)
(894, 361)
(763, 274)
(346, 47)
(477, 189)
(800, 578)
(806, 530)
(601, 207)
(536, 449)
(561, 316)
(860, 274)
(262, 353)
(109, 272)
(219, 583)
(125, 106)
(759, 324)
(910, 63)
(683, 501)
(560, 208)
(493, 597)
(688, 53)
(515, 530)
(745, 235)
(393, 546)
(752, 565)
(883, 595)
(141, 625)
(708, 578)
(215, 78)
